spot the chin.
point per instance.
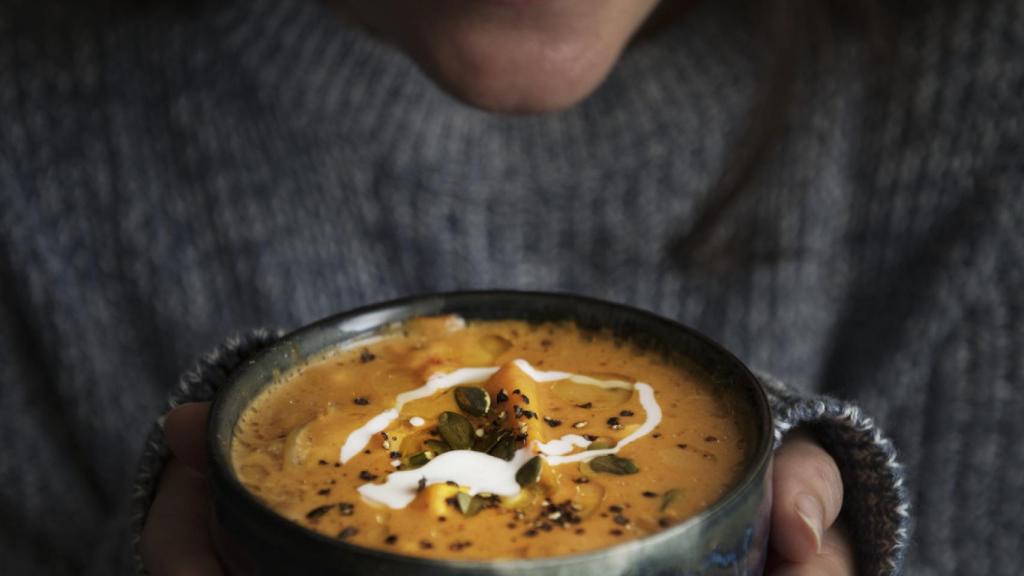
(521, 77)
(527, 56)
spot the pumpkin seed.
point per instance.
(487, 442)
(505, 448)
(612, 464)
(669, 497)
(456, 430)
(602, 444)
(469, 505)
(473, 400)
(529, 473)
(436, 446)
(419, 459)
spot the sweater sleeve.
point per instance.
(875, 505)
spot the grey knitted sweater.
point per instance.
(170, 178)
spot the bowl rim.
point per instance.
(222, 472)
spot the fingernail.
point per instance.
(809, 510)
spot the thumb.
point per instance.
(808, 494)
(185, 432)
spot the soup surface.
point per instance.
(489, 440)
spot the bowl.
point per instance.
(729, 537)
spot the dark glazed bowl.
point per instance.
(728, 538)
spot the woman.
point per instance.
(178, 175)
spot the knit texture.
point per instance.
(169, 178)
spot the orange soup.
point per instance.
(489, 440)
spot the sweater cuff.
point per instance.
(199, 384)
(876, 503)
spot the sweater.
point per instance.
(170, 178)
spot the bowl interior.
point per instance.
(725, 373)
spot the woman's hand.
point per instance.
(176, 539)
(808, 495)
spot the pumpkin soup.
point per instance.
(489, 440)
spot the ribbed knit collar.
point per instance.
(693, 77)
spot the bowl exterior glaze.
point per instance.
(730, 538)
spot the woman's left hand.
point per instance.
(808, 493)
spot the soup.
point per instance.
(489, 440)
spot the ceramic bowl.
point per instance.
(730, 537)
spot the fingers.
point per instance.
(835, 559)
(185, 431)
(808, 493)
(176, 540)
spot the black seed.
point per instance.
(620, 519)
(452, 483)
(553, 422)
(425, 545)
(626, 413)
(346, 509)
(582, 480)
(613, 421)
(348, 532)
(366, 475)
(395, 454)
(457, 546)
(322, 462)
(500, 397)
(526, 399)
(649, 494)
(590, 437)
(586, 405)
(664, 522)
(615, 508)
(580, 531)
(421, 485)
(615, 532)
(319, 511)
(391, 539)
(531, 533)
(683, 446)
(323, 491)
(710, 439)
(361, 401)
(516, 391)
(366, 356)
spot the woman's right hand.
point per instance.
(176, 538)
